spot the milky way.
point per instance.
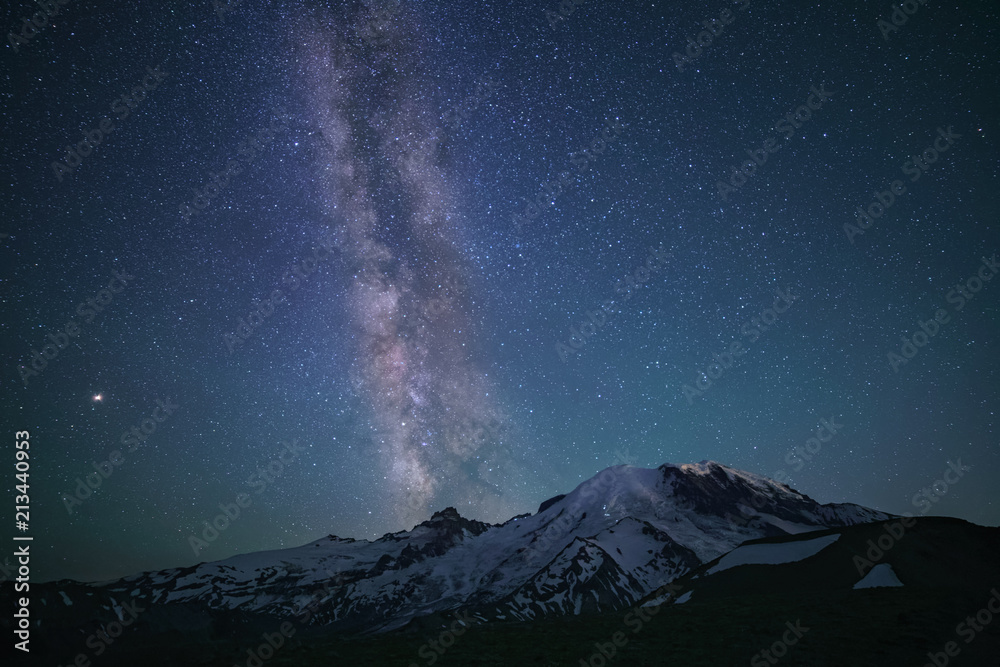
(439, 431)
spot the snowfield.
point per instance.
(879, 576)
(773, 554)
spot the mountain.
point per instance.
(601, 547)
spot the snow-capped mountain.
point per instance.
(603, 546)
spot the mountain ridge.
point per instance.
(600, 547)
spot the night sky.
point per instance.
(362, 248)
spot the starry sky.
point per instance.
(348, 264)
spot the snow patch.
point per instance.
(773, 554)
(880, 575)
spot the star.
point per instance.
(480, 276)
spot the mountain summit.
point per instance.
(602, 546)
